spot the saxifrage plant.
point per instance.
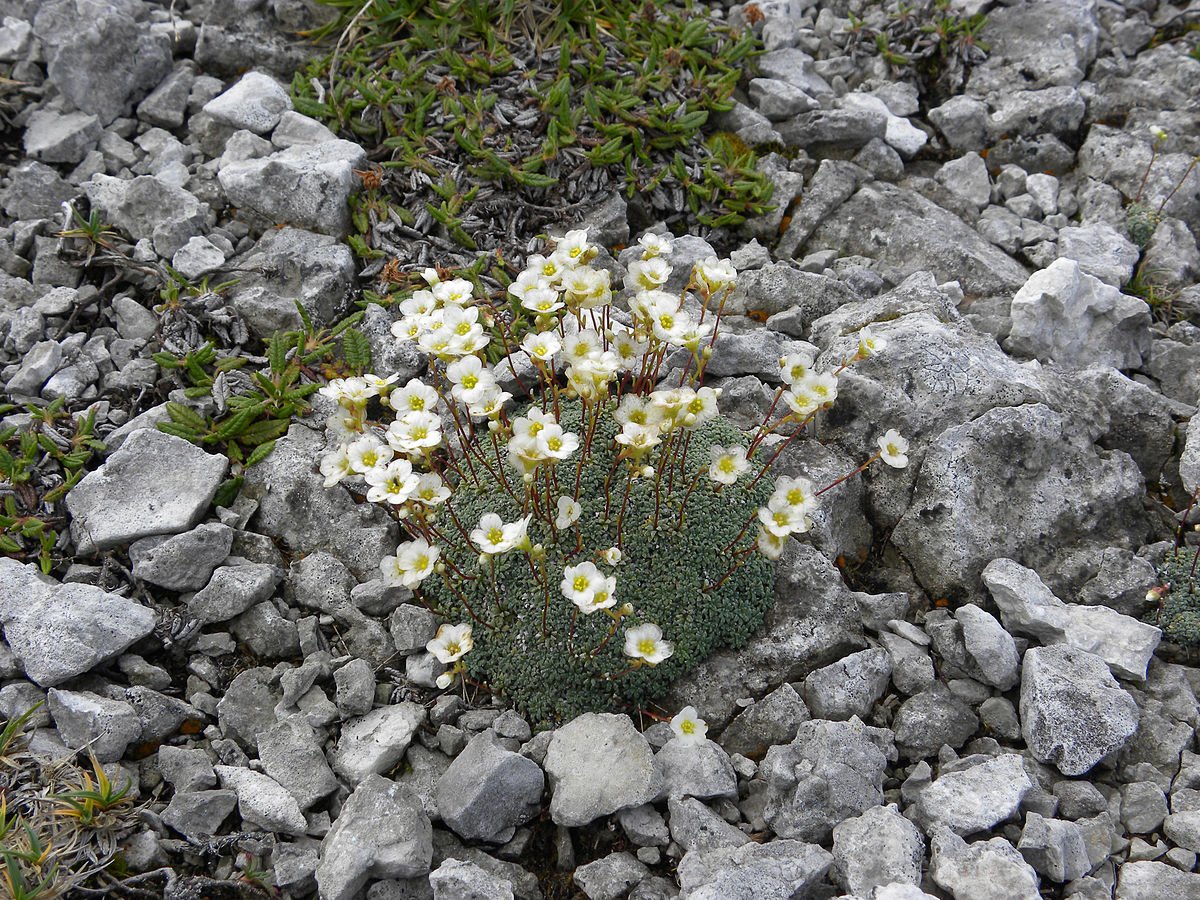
(601, 533)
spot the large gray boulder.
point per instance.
(598, 764)
(877, 848)
(779, 868)
(381, 832)
(101, 54)
(296, 508)
(307, 185)
(973, 799)
(146, 207)
(488, 791)
(1005, 484)
(900, 228)
(1073, 712)
(1029, 608)
(831, 771)
(58, 631)
(289, 265)
(155, 484)
(815, 620)
(1064, 315)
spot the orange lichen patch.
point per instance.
(753, 13)
(758, 315)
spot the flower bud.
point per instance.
(647, 471)
(707, 352)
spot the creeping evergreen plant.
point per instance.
(467, 104)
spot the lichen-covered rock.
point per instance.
(381, 832)
(1073, 712)
(1004, 485)
(488, 791)
(58, 631)
(155, 484)
(974, 799)
(597, 764)
(831, 771)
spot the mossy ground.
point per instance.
(556, 674)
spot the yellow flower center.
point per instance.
(795, 496)
(534, 428)
(417, 404)
(422, 562)
(549, 268)
(687, 726)
(892, 450)
(495, 535)
(580, 583)
(452, 648)
(419, 433)
(781, 518)
(726, 465)
(646, 646)
(469, 381)
(555, 444)
(370, 458)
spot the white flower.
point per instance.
(574, 246)
(824, 387)
(728, 464)
(645, 642)
(582, 345)
(613, 555)
(413, 563)
(699, 407)
(715, 274)
(420, 304)
(444, 680)
(655, 245)
(797, 492)
(451, 643)
(794, 367)
(409, 328)
(554, 443)
(870, 343)
(393, 483)
(349, 391)
(541, 345)
(1158, 133)
(893, 449)
(456, 292)
(639, 439)
(368, 452)
(527, 281)
(648, 274)
(383, 386)
(490, 536)
(579, 582)
(637, 410)
(801, 400)
(416, 396)
(431, 490)
(629, 350)
(689, 728)
(470, 378)
(548, 267)
(542, 301)
(787, 510)
(770, 545)
(335, 465)
(488, 401)
(415, 433)
(568, 512)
